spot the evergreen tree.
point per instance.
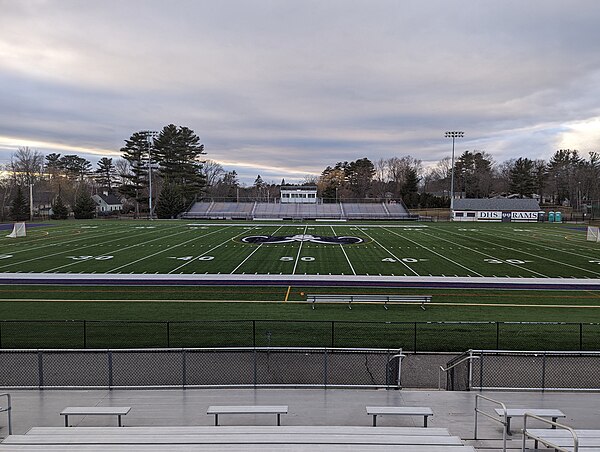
(523, 178)
(178, 152)
(59, 210)
(19, 208)
(105, 174)
(170, 201)
(136, 151)
(85, 207)
(411, 182)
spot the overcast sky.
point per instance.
(285, 88)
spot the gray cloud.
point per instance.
(284, 88)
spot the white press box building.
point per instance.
(496, 209)
(298, 194)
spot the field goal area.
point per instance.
(593, 234)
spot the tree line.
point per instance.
(167, 171)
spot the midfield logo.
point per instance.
(337, 240)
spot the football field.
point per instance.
(501, 250)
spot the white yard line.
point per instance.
(299, 251)
(165, 250)
(435, 252)
(70, 251)
(208, 251)
(534, 255)
(491, 256)
(398, 259)
(344, 251)
(537, 244)
(115, 251)
(250, 255)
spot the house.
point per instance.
(496, 209)
(107, 202)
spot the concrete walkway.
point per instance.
(173, 407)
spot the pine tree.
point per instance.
(178, 152)
(59, 210)
(85, 207)
(170, 201)
(19, 208)
(136, 151)
(105, 174)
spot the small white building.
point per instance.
(298, 194)
(107, 202)
(496, 209)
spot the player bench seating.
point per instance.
(248, 409)
(520, 412)
(399, 411)
(118, 411)
(376, 298)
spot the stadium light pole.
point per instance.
(454, 135)
(150, 136)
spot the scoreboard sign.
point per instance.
(524, 216)
(496, 215)
(484, 215)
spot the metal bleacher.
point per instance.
(334, 211)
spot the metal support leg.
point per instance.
(425, 421)
(508, 425)
(278, 419)
(66, 420)
(374, 420)
(120, 424)
(216, 419)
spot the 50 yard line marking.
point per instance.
(299, 251)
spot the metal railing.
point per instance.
(8, 410)
(455, 363)
(202, 367)
(546, 441)
(493, 418)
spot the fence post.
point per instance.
(325, 369)
(168, 334)
(255, 364)
(110, 370)
(84, 334)
(543, 371)
(184, 367)
(254, 333)
(415, 339)
(332, 333)
(580, 337)
(41, 369)
(497, 335)
(1, 323)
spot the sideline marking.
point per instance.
(113, 300)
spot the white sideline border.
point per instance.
(256, 279)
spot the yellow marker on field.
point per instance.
(287, 294)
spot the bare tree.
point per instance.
(212, 171)
(27, 165)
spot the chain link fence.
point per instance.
(524, 370)
(414, 336)
(201, 367)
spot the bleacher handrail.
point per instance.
(502, 421)
(545, 441)
(455, 363)
(8, 410)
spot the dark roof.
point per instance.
(109, 199)
(299, 187)
(529, 205)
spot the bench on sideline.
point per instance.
(378, 298)
(399, 411)
(247, 409)
(251, 438)
(118, 411)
